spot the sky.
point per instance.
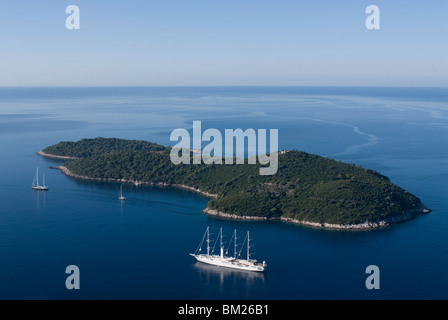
(223, 42)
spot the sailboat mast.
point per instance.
(234, 234)
(220, 244)
(37, 175)
(208, 241)
(248, 247)
(34, 181)
(43, 176)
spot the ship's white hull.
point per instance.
(40, 188)
(228, 262)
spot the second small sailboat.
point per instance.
(120, 197)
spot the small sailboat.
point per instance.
(36, 185)
(120, 197)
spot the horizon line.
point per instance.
(224, 86)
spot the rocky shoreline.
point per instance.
(53, 156)
(68, 173)
(408, 215)
(220, 214)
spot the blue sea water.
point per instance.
(139, 249)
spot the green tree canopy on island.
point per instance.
(306, 187)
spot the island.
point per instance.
(308, 189)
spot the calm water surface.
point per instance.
(139, 249)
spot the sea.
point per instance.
(139, 248)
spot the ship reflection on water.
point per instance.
(228, 276)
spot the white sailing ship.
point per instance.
(35, 185)
(223, 260)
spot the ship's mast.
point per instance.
(37, 175)
(248, 254)
(220, 244)
(234, 243)
(34, 181)
(208, 241)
